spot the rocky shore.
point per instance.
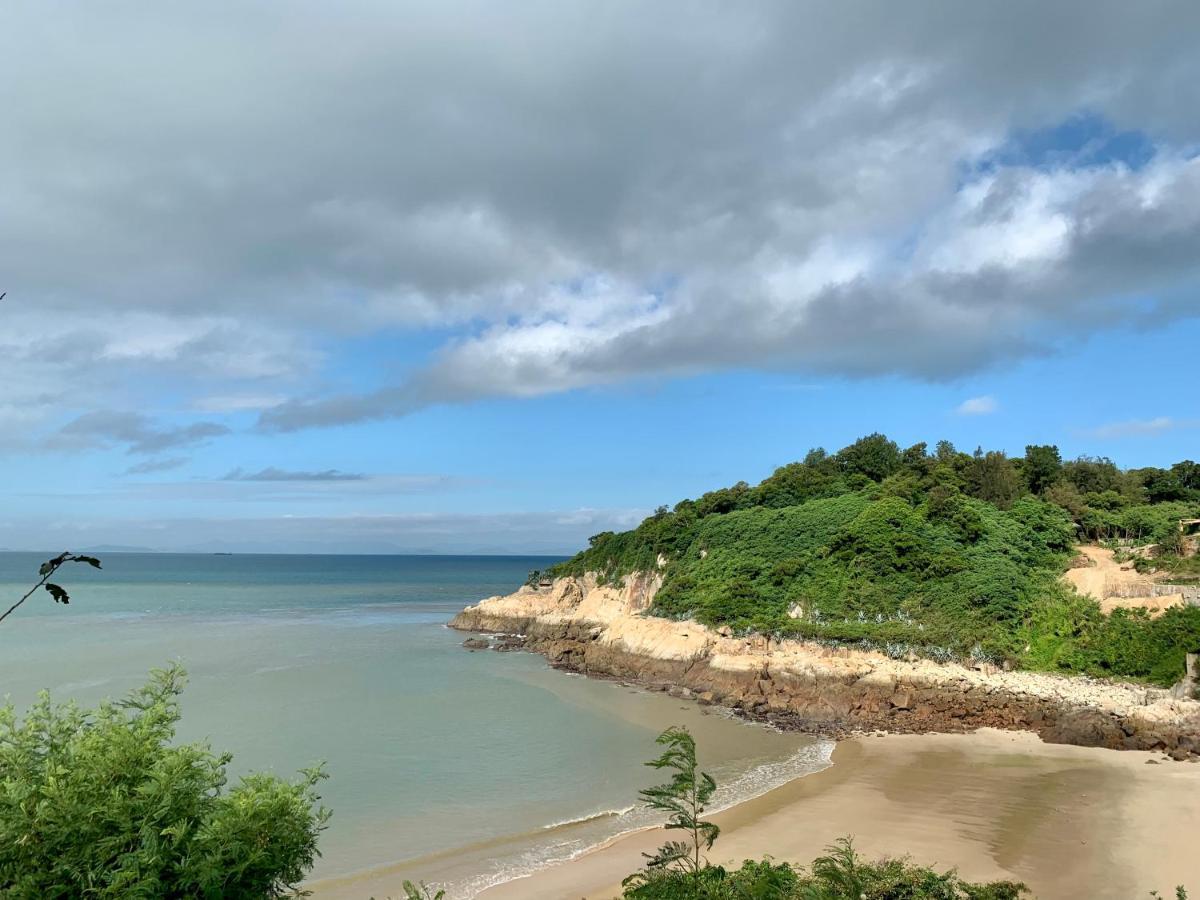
(603, 631)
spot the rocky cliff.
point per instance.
(604, 631)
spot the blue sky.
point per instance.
(469, 283)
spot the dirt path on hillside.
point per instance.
(1117, 585)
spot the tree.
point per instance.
(685, 797)
(1188, 473)
(1093, 474)
(992, 477)
(1043, 466)
(101, 803)
(873, 456)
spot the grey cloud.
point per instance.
(156, 465)
(135, 430)
(273, 474)
(1064, 253)
(53, 365)
(301, 169)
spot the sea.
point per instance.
(462, 768)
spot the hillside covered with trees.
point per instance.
(941, 554)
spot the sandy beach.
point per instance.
(1069, 821)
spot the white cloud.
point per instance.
(977, 406)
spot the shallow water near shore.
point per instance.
(294, 659)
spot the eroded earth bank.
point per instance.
(603, 631)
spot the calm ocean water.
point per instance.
(295, 659)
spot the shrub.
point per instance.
(842, 874)
(98, 803)
(838, 875)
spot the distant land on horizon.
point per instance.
(116, 548)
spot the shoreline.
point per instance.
(469, 869)
(1068, 821)
(998, 774)
(582, 626)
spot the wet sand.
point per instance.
(1068, 821)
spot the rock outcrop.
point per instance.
(604, 631)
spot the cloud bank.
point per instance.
(565, 196)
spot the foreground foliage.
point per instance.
(98, 803)
(684, 798)
(943, 554)
(841, 874)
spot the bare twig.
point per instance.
(49, 568)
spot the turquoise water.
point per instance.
(295, 659)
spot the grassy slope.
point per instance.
(901, 565)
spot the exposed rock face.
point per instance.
(603, 631)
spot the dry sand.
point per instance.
(1118, 585)
(1071, 822)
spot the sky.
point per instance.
(479, 277)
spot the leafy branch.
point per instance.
(685, 797)
(46, 571)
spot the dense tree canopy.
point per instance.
(946, 554)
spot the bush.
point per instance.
(763, 880)
(842, 874)
(838, 875)
(98, 803)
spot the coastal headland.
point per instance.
(602, 630)
(975, 770)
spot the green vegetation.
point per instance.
(685, 797)
(942, 554)
(1180, 570)
(420, 891)
(841, 874)
(100, 803)
(678, 871)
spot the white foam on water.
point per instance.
(589, 817)
(562, 848)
